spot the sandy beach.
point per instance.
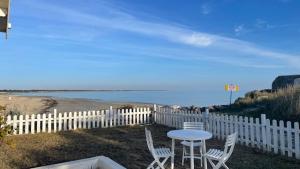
(39, 104)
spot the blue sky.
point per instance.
(116, 44)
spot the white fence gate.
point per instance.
(53, 122)
(273, 136)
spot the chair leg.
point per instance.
(225, 166)
(151, 165)
(161, 164)
(211, 163)
(201, 155)
(164, 161)
(219, 165)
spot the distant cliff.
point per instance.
(285, 81)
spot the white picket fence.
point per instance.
(54, 122)
(272, 136)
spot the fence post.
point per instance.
(154, 113)
(110, 116)
(263, 130)
(289, 138)
(54, 120)
(206, 124)
(297, 147)
(49, 123)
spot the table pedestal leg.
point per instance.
(173, 154)
(204, 158)
(192, 154)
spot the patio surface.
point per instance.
(126, 145)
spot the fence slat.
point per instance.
(282, 140)
(75, 120)
(32, 124)
(80, 119)
(241, 130)
(59, 121)
(115, 117)
(54, 120)
(275, 136)
(289, 138)
(65, 118)
(297, 146)
(21, 124)
(246, 124)
(38, 123)
(252, 136)
(70, 121)
(144, 118)
(122, 117)
(257, 130)
(49, 123)
(43, 123)
(268, 135)
(110, 116)
(222, 127)
(26, 123)
(89, 119)
(263, 131)
(93, 119)
(98, 118)
(102, 118)
(84, 120)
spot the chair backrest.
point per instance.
(150, 142)
(193, 125)
(229, 145)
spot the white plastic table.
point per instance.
(189, 135)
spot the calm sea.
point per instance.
(182, 98)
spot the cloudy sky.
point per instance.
(143, 44)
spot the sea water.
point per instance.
(169, 97)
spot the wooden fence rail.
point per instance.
(274, 136)
(53, 122)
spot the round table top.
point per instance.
(189, 134)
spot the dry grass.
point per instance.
(125, 145)
(283, 104)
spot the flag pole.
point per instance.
(230, 97)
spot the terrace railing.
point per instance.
(274, 136)
(53, 122)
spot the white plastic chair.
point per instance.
(221, 156)
(157, 153)
(185, 154)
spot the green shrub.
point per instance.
(128, 106)
(4, 128)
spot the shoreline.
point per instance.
(71, 90)
(17, 104)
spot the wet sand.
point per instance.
(67, 105)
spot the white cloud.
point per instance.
(238, 29)
(205, 9)
(119, 20)
(197, 39)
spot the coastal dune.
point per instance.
(25, 105)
